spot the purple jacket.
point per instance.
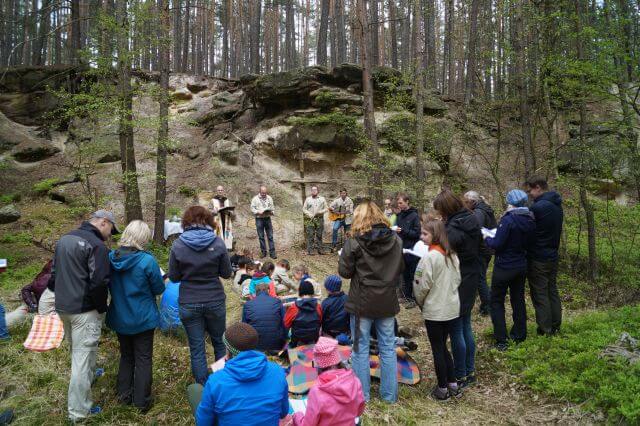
(31, 293)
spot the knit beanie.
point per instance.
(517, 198)
(306, 289)
(240, 337)
(333, 283)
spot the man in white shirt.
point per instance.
(341, 212)
(314, 208)
(262, 208)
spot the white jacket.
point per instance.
(435, 286)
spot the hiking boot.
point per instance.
(501, 347)
(273, 256)
(440, 394)
(484, 312)
(406, 332)
(470, 380)
(410, 345)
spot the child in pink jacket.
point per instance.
(337, 398)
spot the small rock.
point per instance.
(182, 94)
(9, 213)
(227, 151)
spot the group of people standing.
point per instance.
(375, 257)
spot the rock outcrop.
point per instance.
(9, 213)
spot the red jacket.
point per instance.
(31, 293)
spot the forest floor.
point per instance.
(35, 384)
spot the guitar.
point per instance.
(336, 216)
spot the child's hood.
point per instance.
(340, 385)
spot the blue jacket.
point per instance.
(198, 259)
(249, 390)
(135, 282)
(547, 209)
(306, 325)
(515, 235)
(266, 315)
(335, 319)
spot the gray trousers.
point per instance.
(83, 333)
(544, 295)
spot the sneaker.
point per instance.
(273, 256)
(440, 394)
(454, 390)
(99, 372)
(410, 304)
(6, 417)
(263, 255)
(470, 380)
(96, 409)
(501, 347)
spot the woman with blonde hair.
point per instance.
(133, 314)
(372, 259)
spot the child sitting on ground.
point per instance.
(335, 320)
(244, 272)
(301, 274)
(435, 287)
(237, 256)
(336, 398)
(284, 284)
(261, 277)
(304, 317)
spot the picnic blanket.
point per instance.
(47, 332)
(303, 375)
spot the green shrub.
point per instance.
(325, 99)
(187, 191)
(45, 186)
(569, 366)
(10, 198)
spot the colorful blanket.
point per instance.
(303, 375)
(47, 332)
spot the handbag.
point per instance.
(47, 332)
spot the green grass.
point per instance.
(568, 367)
(45, 186)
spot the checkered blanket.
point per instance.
(303, 375)
(46, 333)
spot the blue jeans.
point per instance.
(388, 360)
(4, 331)
(196, 319)
(336, 228)
(463, 347)
(263, 226)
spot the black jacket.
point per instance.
(373, 262)
(80, 271)
(409, 221)
(547, 210)
(266, 315)
(486, 219)
(465, 239)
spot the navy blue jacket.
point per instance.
(547, 209)
(198, 259)
(335, 319)
(409, 221)
(135, 283)
(514, 237)
(266, 315)
(306, 325)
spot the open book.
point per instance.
(486, 232)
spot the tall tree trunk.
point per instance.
(163, 121)
(375, 50)
(254, 35)
(448, 49)
(393, 34)
(405, 35)
(470, 83)
(290, 37)
(177, 35)
(132, 205)
(523, 93)
(375, 180)
(40, 48)
(340, 34)
(186, 34)
(418, 87)
(321, 55)
(430, 58)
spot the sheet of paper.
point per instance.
(488, 232)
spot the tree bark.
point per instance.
(186, 34)
(470, 82)
(163, 123)
(418, 83)
(177, 35)
(132, 205)
(449, 63)
(393, 34)
(321, 55)
(375, 180)
(375, 50)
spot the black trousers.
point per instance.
(135, 373)
(511, 280)
(544, 295)
(438, 332)
(410, 265)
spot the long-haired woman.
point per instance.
(372, 259)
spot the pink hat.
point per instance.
(325, 353)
